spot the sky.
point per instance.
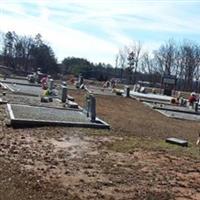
(96, 29)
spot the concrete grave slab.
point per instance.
(154, 101)
(24, 115)
(174, 108)
(180, 115)
(18, 81)
(100, 91)
(14, 98)
(184, 114)
(151, 96)
(24, 89)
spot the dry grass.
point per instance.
(129, 117)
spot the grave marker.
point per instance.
(127, 91)
(64, 94)
(196, 106)
(177, 141)
(51, 84)
(64, 83)
(93, 108)
(168, 84)
(80, 80)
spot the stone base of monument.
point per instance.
(176, 112)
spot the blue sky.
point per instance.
(96, 29)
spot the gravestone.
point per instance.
(64, 94)
(80, 80)
(196, 106)
(127, 91)
(168, 84)
(51, 84)
(91, 107)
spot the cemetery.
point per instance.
(47, 132)
(99, 100)
(49, 109)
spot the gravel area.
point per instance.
(47, 114)
(180, 115)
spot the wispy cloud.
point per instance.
(95, 29)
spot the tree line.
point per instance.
(24, 54)
(89, 70)
(181, 59)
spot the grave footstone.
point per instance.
(44, 99)
(64, 83)
(70, 98)
(50, 99)
(72, 104)
(177, 141)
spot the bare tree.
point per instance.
(8, 49)
(117, 61)
(147, 66)
(129, 60)
(134, 53)
(24, 53)
(122, 60)
(165, 58)
(190, 61)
